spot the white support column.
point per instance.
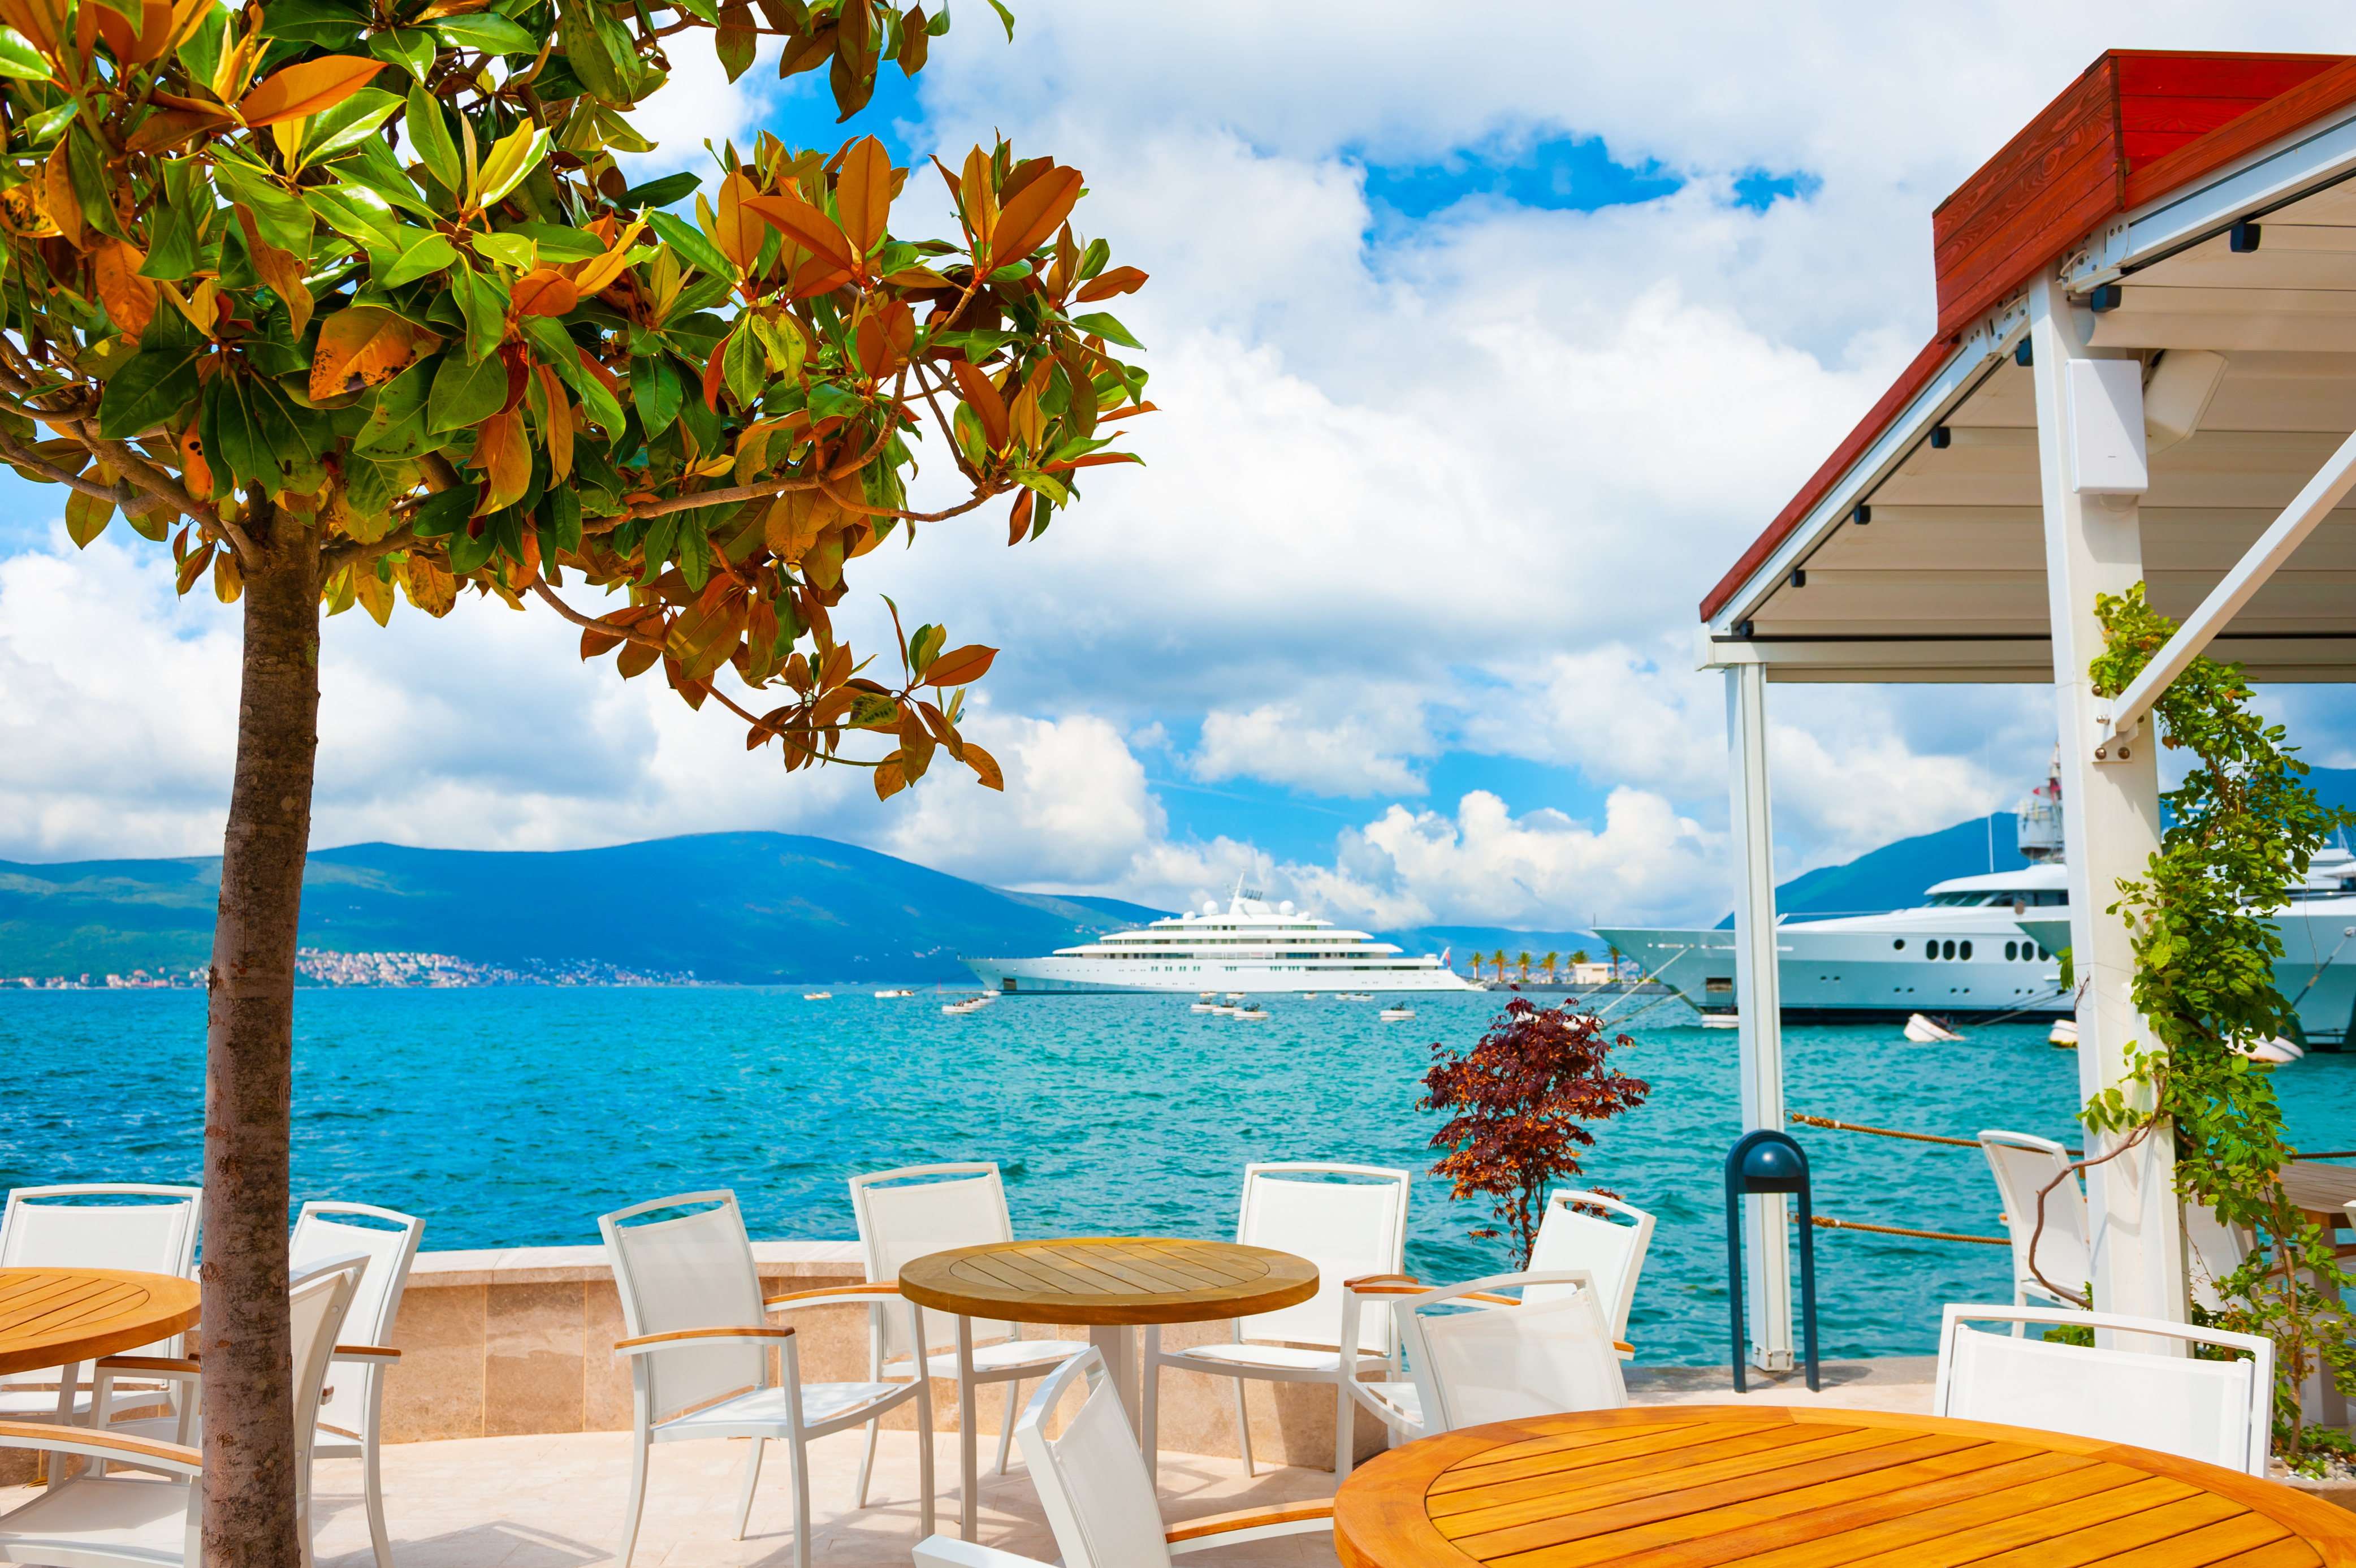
(2094, 543)
(1766, 1224)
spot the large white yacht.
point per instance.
(1250, 947)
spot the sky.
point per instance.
(1480, 351)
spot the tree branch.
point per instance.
(607, 629)
(132, 503)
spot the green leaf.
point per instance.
(1107, 328)
(44, 127)
(585, 50)
(661, 192)
(19, 58)
(371, 163)
(515, 249)
(347, 124)
(86, 518)
(484, 304)
(705, 10)
(423, 259)
(693, 247)
(320, 23)
(171, 228)
(429, 132)
(443, 512)
(655, 389)
(92, 187)
(512, 157)
(411, 48)
(492, 33)
(279, 214)
(200, 52)
(359, 213)
(470, 547)
(148, 391)
(463, 395)
(559, 243)
(744, 364)
(1006, 16)
(785, 344)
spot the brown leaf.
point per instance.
(806, 226)
(129, 299)
(228, 581)
(1018, 521)
(1121, 280)
(504, 452)
(296, 91)
(281, 271)
(43, 21)
(794, 521)
(1033, 214)
(741, 230)
(170, 127)
(961, 666)
(985, 767)
(193, 567)
(365, 346)
(53, 193)
(891, 777)
(557, 425)
(974, 385)
(544, 291)
(863, 192)
(429, 586)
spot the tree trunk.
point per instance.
(248, 1394)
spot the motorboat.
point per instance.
(818, 995)
(1254, 1014)
(1721, 1020)
(1925, 1031)
(2063, 1035)
(1247, 947)
(1395, 1015)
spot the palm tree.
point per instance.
(1525, 969)
(1550, 959)
(1578, 956)
(1498, 958)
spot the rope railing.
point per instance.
(1879, 1132)
(1904, 1231)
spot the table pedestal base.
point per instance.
(1117, 1342)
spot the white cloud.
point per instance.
(1363, 752)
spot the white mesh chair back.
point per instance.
(320, 1234)
(55, 1227)
(904, 1216)
(2214, 1410)
(1473, 1364)
(1092, 1480)
(1613, 1253)
(692, 1271)
(2213, 1250)
(318, 1302)
(2023, 1162)
(1349, 1228)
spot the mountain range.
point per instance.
(752, 908)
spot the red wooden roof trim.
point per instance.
(1913, 380)
(2333, 89)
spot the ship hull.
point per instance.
(1067, 976)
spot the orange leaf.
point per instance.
(806, 226)
(129, 299)
(740, 234)
(281, 271)
(1036, 213)
(863, 192)
(504, 454)
(974, 386)
(170, 127)
(961, 666)
(884, 338)
(296, 91)
(43, 21)
(985, 767)
(1121, 280)
(365, 346)
(53, 193)
(543, 291)
(891, 777)
(193, 467)
(557, 427)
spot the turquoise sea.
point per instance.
(514, 1117)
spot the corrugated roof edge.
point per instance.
(2278, 116)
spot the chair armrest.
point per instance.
(368, 1355)
(645, 1343)
(1253, 1524)
(1363, 1281)
(150, 1366)
(1623, 1347)
(1358, 1287)
(835, 1295)
(948, 1552)
(99, 1444)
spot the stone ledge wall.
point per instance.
(514, 1341)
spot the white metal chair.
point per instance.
(2214, 1410)
(1349, 1229)
(904, 1214)
(2213, 1250)
(1611, 1251)
(55, 1227)
(95, 1518)
(2023, 1164)
(351, 1418)
(1099, 1495)
(1476, 1355)
(699, 1345)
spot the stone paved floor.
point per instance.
(556, 1502)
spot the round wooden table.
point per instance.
(59, 1317)
(1110, 1284)
(1716, 1484)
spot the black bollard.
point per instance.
(1763, 1162)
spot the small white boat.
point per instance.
(1208, 995)
(1255, 1014)
(1924, 1032)
(818, 995)
(1396, 1014)
(1309, 996)
(1721, 1021)
(1238, 995)
(970, 1004)
(1204, 1007)
(2279, 1051)
(1223, 1010)
(2063, 1035)
(881, 995)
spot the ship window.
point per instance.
(2012, 950)
(1968, 949)
(1899, 946)
(1948, 949)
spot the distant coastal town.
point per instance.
(319, 967)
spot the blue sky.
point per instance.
(1481, 353)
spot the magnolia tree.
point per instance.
(349, 301)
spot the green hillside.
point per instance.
(744, 908)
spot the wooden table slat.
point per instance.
(1779, 1487)
(1107, 1281)
(1076, 1272)
(51, 1297)
(49, 1317)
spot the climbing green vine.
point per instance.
(2243, 827)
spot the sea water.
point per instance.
(514, 1117)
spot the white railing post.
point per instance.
(2110, 809)
(1766, 1224)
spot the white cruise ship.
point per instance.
(1251, 947)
